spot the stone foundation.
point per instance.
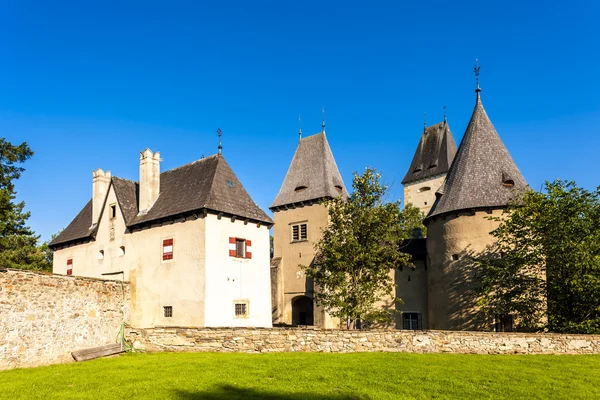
(339, 341)
(45, 317)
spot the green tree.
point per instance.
(411, 222)
(545, 267)
(356, 253)
(18, 243)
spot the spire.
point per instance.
(323, 120)
(300, 127)
(219, 134)
(483, 175)
(476, 70)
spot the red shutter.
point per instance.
(167, 249)
(232, 247)
(248, 248)
(70, 267)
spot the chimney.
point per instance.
(149, 179)
(100, 184)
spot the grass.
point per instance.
(320, 376)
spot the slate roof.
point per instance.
(434, 154)
(208, 184)
(480, 170)
(313, 174)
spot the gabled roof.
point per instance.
(313, 174)
(434, 154)
(483, 173)
(208, 184)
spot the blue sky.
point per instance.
(90, 84)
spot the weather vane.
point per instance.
(476, 70)
(300, 126)
(219, 133)
(323, 119)
(445, 117)
(424, 122)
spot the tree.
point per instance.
(545, 266)
(18, 243)
(357, 251)
(411, 222)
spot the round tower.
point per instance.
(481, 182)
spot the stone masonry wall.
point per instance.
(45, 317)
(338, 341)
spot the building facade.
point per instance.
(191, 241)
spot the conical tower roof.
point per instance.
(434, 154)
(483, 173)
(312, 175)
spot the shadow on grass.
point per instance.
(232, 392)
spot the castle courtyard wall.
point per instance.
(45, 317)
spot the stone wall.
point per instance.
(339, 341)
(45, 317)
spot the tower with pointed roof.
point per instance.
(429, 166)
(482, 180)
(299, 217)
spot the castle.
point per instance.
(195, 247)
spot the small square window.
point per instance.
(241, 309)
(113, 211)
(455, 257)
(411, 321)
(299, 232)
(167, 253)
(168, 311)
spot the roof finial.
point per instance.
(424, 122)
(219, 134)
(202, 155)
(323, 119)
(476, 70)
(445, 116)
(300, 127)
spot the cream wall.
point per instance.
(230, 279)
(294, 254)
(451, 300)
(411, 287)
(423, 199)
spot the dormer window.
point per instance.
(230, 183)
(300, 188)
(508, 183)
(338, 188)
(424, 189)
(113, 211)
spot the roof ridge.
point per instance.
(191, 163)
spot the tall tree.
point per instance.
(411, 222)
(357, 251)
(18, 243)
(545, 268)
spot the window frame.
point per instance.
(168, 255)
(245, 305)
(299, 231)
(415, 321)
(168, 311)
(112, 210)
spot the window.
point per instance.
(121, 251)
(101, 255)
(338, 188)
(113, 211)
(455, 257)
(168, 311)
(230, 184)
(299, 232)
(240, 248)
(240, 309)
(424, 189)
(167, 253)
(70, 266)
(411, 321)
(300, 188)
(503, 322)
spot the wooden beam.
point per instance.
(97, 352)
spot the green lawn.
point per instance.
(309, 376)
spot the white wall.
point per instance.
(230, 279)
